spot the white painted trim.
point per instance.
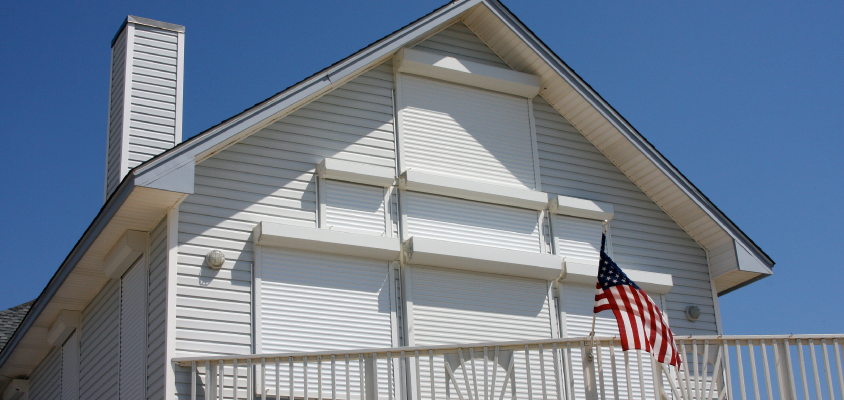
(180, 81)
(540, 224)
(349, 171)
(394, 320)
(17, 389)
(124, 253)
(172, 276)
(537, 176)
(402, 194)
(564, 331)
(441, 253)
(719, 328)
(257, 275)
(407, 280)
(582, 208)
(128, 56)
(472, 190)
(65, 323)
(320, 195)
(552, 311)
(326, 241)
(586, 272)
(388, 221)
(466, 72)
(397, 104)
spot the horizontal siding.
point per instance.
(45, 382)
(100, 345)
(268, 176)
(459, 41)
(355, 208)
(115, 113)
(643, 236)
(156, 311)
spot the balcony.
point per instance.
(714, 367)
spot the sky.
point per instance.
(745, 99)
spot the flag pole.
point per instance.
(595, 315)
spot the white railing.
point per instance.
(714, 367)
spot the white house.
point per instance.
(437, 198)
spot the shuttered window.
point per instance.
(132, 332)
(466, 132)
(318, 302)
(355, 208)
(452, 307)
(578, 238)
(471, 222)
(70, 368)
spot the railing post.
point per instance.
(784, 373)
(587, 362)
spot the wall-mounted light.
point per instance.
(215, 259)
(692, 313)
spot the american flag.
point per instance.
(640, 322)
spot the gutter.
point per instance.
(109, 209)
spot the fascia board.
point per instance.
(586, 272)
(583, 208)
(441, 253)
(331, 168)
(326, 241)
(109, 209)
(625, 128)
(261, 115)
(466, 72)
(471, 190)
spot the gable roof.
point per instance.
(150, 189)
(10, 319)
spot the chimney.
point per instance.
(145, 95)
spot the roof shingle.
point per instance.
(10, 319)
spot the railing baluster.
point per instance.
(740, 368)
(837, 349)
(803, 369)
(486, 373)
(754, 375)
(453, 380)
(277, 379)
(360, 375)
(509, 377)
(208, 387)
(529, 377)
(727, 374)
(374, 376)
(569, 375)
(588, 383)
(826, 367)
(234, 380)
(494, 373)
(193, 380)
(716, 368)
(474, 371)
(389, 375)
(292, 393)
(614, 370)
(600, 372)
(557, 372)
(465, 376)
(816, 374)
(790, 369)
(641, 374)
(348, 379)
(542, 372)
(333, 377)
(431, 372)
(685, 361)
(705, 365)
(221, 380)
(402, 381)
(418, 378)
(319, 377)
(768, 388)
(666, 370)
(627, 376)
(263, 379)
(305, 376)
(696, 369)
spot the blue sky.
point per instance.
(747, 100)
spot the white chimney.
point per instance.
(145, 95)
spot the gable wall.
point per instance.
(45, 382)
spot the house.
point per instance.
(437, 198)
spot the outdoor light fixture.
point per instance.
(215, 259)
(692, 313)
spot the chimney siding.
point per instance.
(145, 99)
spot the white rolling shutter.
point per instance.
(356, 208)
(576, 305)
(317, 302)
(466, 132)
(578, 238)
(70, 368)
(453, 307)
(471, 222)
(132, 332)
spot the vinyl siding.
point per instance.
(355, 208)
(156, 311)
(459, 41)
(45, 382)
(132, 331)
(268, 176)
(643, 236)
(115, 113)
(100, 344)
(70, 367)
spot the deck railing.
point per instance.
(714, 367)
